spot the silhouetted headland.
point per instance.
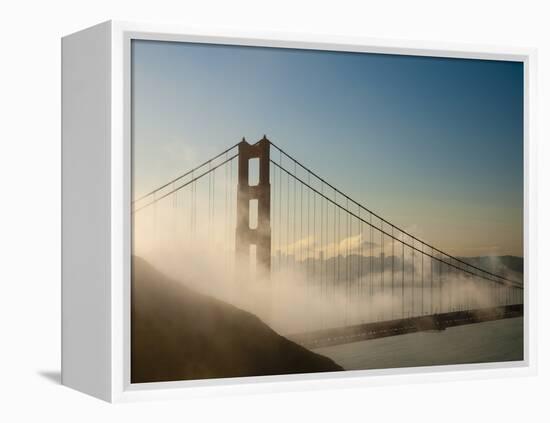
(179, 334)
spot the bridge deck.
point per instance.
(362, 332)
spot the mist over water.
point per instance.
(317, 294)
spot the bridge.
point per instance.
(278, 240)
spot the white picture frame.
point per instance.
(96, 227)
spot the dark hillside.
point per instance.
(179, 334)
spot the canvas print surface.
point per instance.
(299, 211)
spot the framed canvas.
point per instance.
(259, 212)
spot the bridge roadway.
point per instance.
(438, 322)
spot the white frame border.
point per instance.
(121, 389)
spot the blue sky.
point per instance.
(434, 145)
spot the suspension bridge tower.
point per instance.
(260, 236)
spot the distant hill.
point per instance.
(510, 266)
(179, 334)
(497, 264)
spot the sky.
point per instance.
(434, 145)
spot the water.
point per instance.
(500, 340)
